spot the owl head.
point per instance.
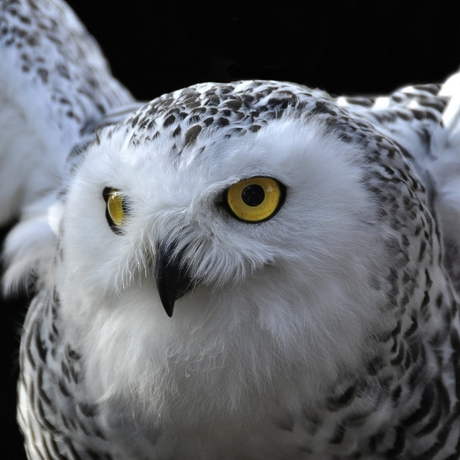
(226, 223)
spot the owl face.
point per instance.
(272, 233)
(282, 208)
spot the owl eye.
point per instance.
(256, 199)
(116, 208)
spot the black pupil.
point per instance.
(253, 195)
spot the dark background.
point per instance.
(344, 47)
(347, 46)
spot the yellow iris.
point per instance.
(256, 199)
(116, 208)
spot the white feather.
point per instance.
(230, 345)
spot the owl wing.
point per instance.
(54, 82)
(425, 121)
(54, 408)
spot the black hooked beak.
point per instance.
(172, 277)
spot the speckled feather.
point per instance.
(54, 80)
(402, 403)
(330, 331)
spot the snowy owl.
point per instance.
(249, 270)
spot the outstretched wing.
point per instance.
(425, 121)
(54, 81)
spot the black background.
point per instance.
(344, 47)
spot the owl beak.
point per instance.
(172, 277)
